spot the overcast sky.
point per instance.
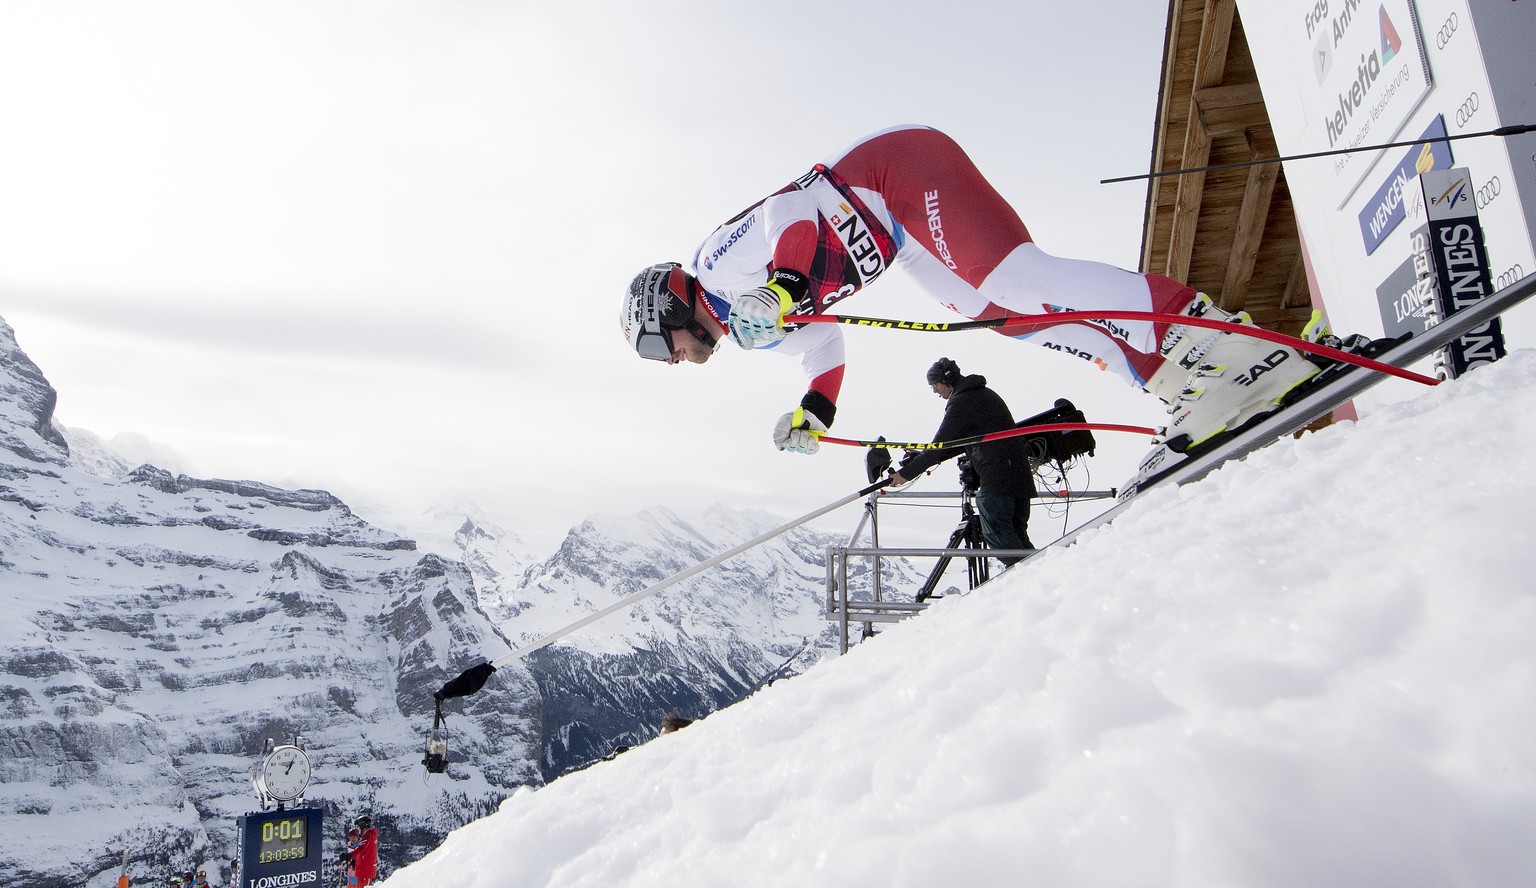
(379, 247)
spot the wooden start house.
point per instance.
(1230, 233)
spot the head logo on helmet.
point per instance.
(660, 300)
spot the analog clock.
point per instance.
(285, 773)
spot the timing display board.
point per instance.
(279, 849)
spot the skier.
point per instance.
(365, 857)
(1006, 481)
(910, 197)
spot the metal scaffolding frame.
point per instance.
(842, 609)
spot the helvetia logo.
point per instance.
(1368, 72)
(1391, 44)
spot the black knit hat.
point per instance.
(944, 370)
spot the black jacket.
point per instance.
(974, 409)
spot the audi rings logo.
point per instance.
(1489, 190)
(1447, 31)
(1468, 109)
(1511, 275)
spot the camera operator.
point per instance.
(1006, 480)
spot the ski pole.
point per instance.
(473, 679)
(1512, 130)
(1026, 322)
(990, 436)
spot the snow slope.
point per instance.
(1315, 667)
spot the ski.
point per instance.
(1336, 386)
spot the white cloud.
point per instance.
(382, 244)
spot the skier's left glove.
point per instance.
(799, 431)
(758, 315)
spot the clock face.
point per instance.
(285, 773)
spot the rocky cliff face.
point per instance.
(156, 629)
(26, 407)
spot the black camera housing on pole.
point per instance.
(1059, 447)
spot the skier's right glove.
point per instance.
(758, 315)
(798, 431)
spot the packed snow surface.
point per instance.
(1315, 667)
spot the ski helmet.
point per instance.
(661, 299)
(363, 821)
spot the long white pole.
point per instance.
(676, 578)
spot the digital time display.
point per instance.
(283, 839)
(282, 847)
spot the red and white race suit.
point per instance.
(909, 197)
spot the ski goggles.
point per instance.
(660, 301)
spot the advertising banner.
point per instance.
(1370, 74)
(1343, 74)
(1460, 259)
(1385, 210)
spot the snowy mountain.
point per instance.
(699, 646)
(159, 628)
(1313, 667)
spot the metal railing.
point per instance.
(882, 608)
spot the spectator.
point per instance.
(365, 857)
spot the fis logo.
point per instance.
(1452, 196)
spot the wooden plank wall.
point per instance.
(1229, 233)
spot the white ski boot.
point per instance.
(1214, 381)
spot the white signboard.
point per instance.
(1346, 73)
(1367, 75)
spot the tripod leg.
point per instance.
(980, 572)
(955, 541)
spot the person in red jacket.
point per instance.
(909, 197)
(365, 857)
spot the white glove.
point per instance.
(798, 431)
(758, 315)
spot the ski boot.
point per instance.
(1215, 382)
